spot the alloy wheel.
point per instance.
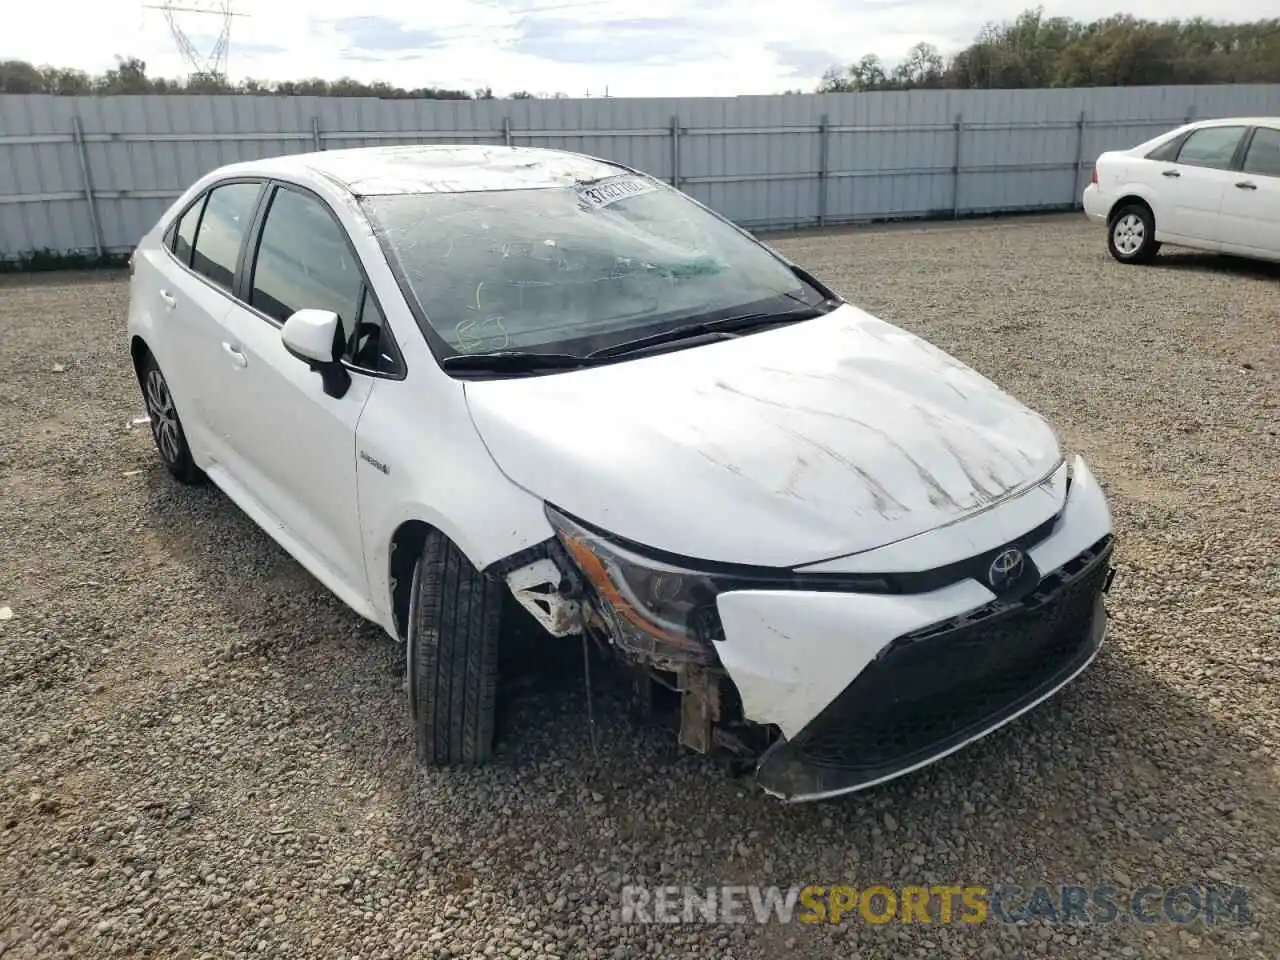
(164, 417)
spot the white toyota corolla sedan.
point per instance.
(466, 386)
(1211, 185)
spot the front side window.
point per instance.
(370, 345)
(1263, 156)
(222, 229)
(303, 262)
(1211, 147)
(572, 268)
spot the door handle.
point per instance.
(1247, 185)
(1171, 173)
(236, 356)
(169, 299)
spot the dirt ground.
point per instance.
(204, 754)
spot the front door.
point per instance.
(1196, 183)
(295, 446)
(1251, 206)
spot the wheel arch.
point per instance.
(1129, 199)
(138, 351)
(406, 546)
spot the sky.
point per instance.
(626, 48)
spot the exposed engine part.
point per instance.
(699, 707)
(591, 710)
(733, 744)
(544, 582)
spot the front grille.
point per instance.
(940, 685)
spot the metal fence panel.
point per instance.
(92, 174)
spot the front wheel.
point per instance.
(455, 616)
(1131, 234)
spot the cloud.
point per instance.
(802, 60)
(260, 49)
(656, 40)
(370, 34)
(204, 42)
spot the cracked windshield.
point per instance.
(572, 267)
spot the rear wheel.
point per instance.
(166, 426)
(1131, 234)
(452, 656)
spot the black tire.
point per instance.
(455, 617)
(166, 426)
(1131, 234)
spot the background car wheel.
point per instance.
(166, 427)
(1131, 234)
(452, 656)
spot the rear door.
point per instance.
(172, 296)
(1195, 184)
(194, 295)
(1251, 206)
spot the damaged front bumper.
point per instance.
(864, 688)
(934, 691)
(836, 679)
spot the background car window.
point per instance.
(1264, 153)
(184, 236)
(222, 228)
(304, 262)
(1211, 147)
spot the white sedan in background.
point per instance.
(1212, 185)
(469, 387)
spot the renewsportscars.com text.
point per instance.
(934, 904)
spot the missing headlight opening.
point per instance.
(655, 620)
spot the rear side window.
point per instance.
(1167, 151)
(1211, 147)
(185, 234)
(1264, 153)
(303, 262)
(222, 229)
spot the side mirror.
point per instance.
(315, 338)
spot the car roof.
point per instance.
(1237, 122)
(1175, 132)
(434, 168)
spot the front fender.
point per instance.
(435, 470)
(519, 524)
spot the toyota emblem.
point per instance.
(1006, 568)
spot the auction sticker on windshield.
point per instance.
(614, 189)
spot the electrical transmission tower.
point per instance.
(211, 65)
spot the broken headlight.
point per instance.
(659, 612)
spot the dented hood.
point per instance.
(780, 448)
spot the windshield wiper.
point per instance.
(745, 321)
(529, 361)
(731, 324)
(514, 361)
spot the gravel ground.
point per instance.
(203, 754)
